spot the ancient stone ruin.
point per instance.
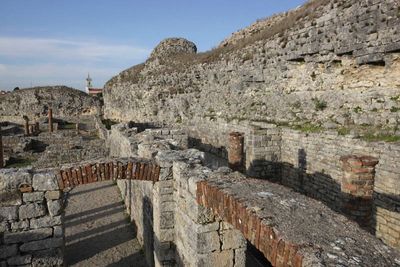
(280, 147)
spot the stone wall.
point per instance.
(31, 224)
(202, 239)
(311, 165)
(333, 65)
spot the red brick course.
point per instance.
(90, 173)
(235, 151)
(357, 186)
(265, 238)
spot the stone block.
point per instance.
(240, 257)
(232, 239)
(54, 207)
(220, 259)
(20, 225)
(20, 260)
(53, 195)
(11, 179)
(10, 198)
(26, 236)
(58, 231)
(208, 242)
(32, 210)
(33, 197)
(8, 213)
(3, 227)
(42, 244)
(166, 220)
(45, 181)
(46, 221)
(8, 251)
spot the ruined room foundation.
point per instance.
(188, 214)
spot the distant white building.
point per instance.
(90, 89)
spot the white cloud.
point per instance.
(52, 74)
(22, 47)
(46, 61)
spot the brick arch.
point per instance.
(108, 170)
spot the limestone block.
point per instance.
(208, 242)
(11, 179)
(8, 213)
(3, 226)
(167, 220)
(33, 197)
(32, 210)
(220, 259)
(20, 260)
(26, 236)
(232, 239)
(240, 257)
(10, 198)
(42, 244)
(8, 251)
(58, 231)
(20, 225)
(45, 181)
(165, 173)
(53, 195)
(54, 207)
(46, 221)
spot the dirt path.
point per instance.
(97, 230)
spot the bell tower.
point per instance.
(88, 83)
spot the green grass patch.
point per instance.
(68, 126)
(357, 109)
(380, 137)
(319, 104)
(108, 123)
(308, 128)
(394, 109)
(19, 163)
(343, 131)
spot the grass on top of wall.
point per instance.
(308, 128)
(380, 137)
(19, 163)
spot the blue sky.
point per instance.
(47, 42)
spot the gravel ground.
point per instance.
(97, 230)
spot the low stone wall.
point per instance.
(311, 165)
(31, 224)
(120, 141)
(202, 239)
(123, 140)
(138, 199)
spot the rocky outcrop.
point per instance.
(34, 102)
(329, 63)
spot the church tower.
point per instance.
(90, 89)
(88, 83)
